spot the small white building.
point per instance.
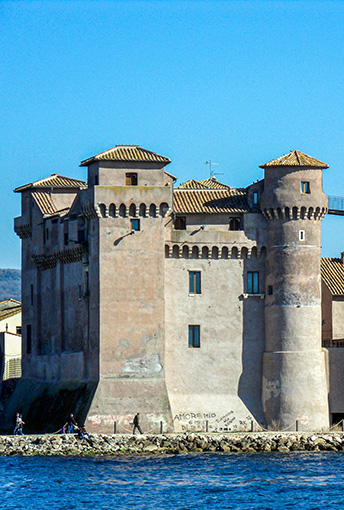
(10, 339)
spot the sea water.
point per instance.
(198, 481)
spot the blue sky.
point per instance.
(237, 82)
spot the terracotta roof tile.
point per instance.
(9, 307)
(127, 153)
(296, 158)
(214, 184)
(192, 184)
(332, 274)
(210, 201)
(44, 201)
(54, 181)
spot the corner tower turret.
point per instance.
(294, 377)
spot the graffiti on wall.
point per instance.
(188, 421)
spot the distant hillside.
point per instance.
(10, 284)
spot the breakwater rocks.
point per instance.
(100, 444)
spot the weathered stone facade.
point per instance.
(197, 306)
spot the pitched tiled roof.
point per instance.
(127, 153)
(44, 202)
(213, 183)
(332, 274)
(204, 184)
(296, 158)
(210, 201)
(192, 184)
(54, 181)
(9, 307)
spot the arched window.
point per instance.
(254, 252)
(295, 212)
(234, 254)
(303, 213)
(152, 211)
(224, 253)
(215, 252)
(244, 253)
(234, 223)
(310, 213)
(205, 252)
(279, 213)
(175, 251)
(132, 210)
(112, 210)
(185, 252)
(167, 251)
(102, 209)
(195, 252)
(287, 213)
(122, 211)
(263, 252)
(163, 209)
(143, 210)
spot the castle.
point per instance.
(197, 304)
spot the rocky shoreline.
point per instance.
(101, 444)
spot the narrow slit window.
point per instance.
(194, 282)
(301, 235)
(194, 336)
(305, 187)
(253, 282)
(255, 198)
(28, 339)
(270, 290)
(31, 294)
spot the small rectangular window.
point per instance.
(194, 336)
(301, 235)
(131, 179)
(255, 198)
(180, 223)
(135, 225)
(31, 294)
(96, 180)
(28, 339)
(18, 330)
(270, 290)
(305, 187)
(252, 282)
(194, 282)
(80, 292)
(234, 223)
(65, 238)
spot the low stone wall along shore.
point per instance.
(170, 444)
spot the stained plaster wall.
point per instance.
(220, 382)
(131, 313)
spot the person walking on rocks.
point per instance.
(136, 423)
(19, 426)
(16, 425)
(71, 423)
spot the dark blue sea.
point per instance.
(200, 481)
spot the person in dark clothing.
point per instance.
(71, 423)
(82, 432)
(136, 423)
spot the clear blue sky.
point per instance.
(237, 82)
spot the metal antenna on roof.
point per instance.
(212, 173)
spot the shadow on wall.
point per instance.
(250, 382)
(45, 407)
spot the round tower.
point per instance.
(294, 373)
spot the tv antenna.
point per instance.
(212, 173)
